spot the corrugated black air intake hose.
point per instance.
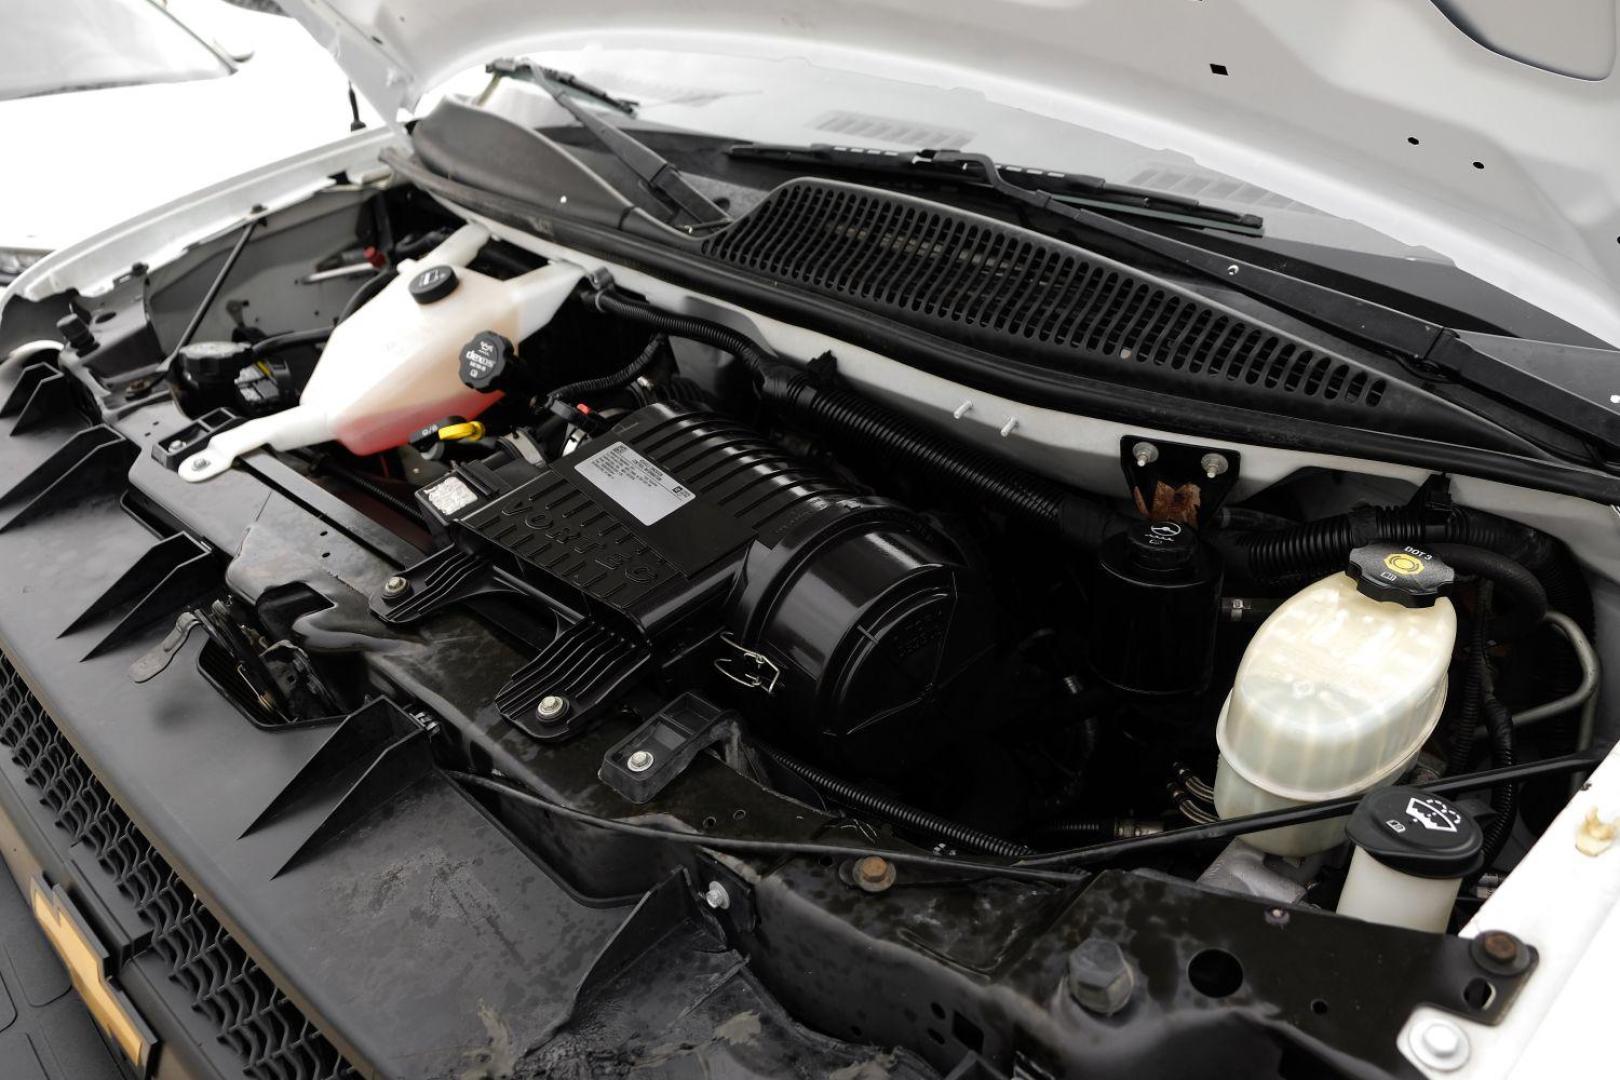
(859, 798)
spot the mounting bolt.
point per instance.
(640, 761)
(176, 445)
(715, 895)
(1145, 454)
(396, 587)
(1500, 946)
(1213, 465)
(1440, 1045)
(873, 873)
(1232, 271)
(199, 463)
(551, 707)
(1100, 979)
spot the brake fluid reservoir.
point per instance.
(392, 367)
(1337, 692)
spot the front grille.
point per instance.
(1018, 293)
(273, 1039)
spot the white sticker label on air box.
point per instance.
(635, 483)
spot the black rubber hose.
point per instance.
(892, 810)
(1504, 796)
(572, 393)
(291, 340)
(1471, 692)
(1528, 596)
(369, 288)
(1013, 491)
(683, 326)
(1003, 486)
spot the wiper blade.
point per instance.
(1074, 189)
(652, 168)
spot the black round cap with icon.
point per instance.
(1417, 832)
(1399, 575)
(485, 362)
(434, 283)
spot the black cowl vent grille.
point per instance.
(1006, 289)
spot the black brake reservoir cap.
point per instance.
(485, 361)
(1399, 574)
(1154, 610)
(1417, 833)
(434, 283)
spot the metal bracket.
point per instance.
(1180, 482)
(658, 751)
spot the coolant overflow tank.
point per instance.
(1337, 692)
(394, 366)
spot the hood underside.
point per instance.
(1484, 130)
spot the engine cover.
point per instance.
(832, 618)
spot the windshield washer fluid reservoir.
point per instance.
(391, 367)
(1337, 693)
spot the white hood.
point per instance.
(1485, 130)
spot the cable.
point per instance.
(1227, 828)
(892, 809)
(1014, 491)
(1471, 694)
(572, 393)
(721, 337)
(1505, 795)
(765, 847)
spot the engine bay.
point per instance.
(661, 598)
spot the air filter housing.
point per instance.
(833, 619)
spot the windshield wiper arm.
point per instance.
(652, 168)
(1074, 189)
(540, 75)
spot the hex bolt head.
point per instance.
(873, 873)
(1144, 454)
(199, 463)
(1100, 978)
(1213, 465)
(551, 707)
(716, 896)
(396, 587)
(1440, 1045)
(640, 761)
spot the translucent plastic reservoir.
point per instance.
(392, 366)
(1336, 695)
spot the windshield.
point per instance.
(56, 46)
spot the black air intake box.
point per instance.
(824, 611)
